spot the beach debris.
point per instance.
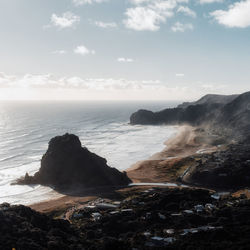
(96, 216)
(199, 208)
(114, 212)
(215, 196)
(159, 241)
(187, 211)
(210, 206)
(147, 234)
(89, 207)
(77, 216)
(199, 229)
(162, 216)
(117, 203)
(220, 195)
(176, 214)
(105, 206)
(128, 210)
(168, 231)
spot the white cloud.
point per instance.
(82, 2)
(181, 27)
(75, 82)
(179, 75)
(141, 18)
(186, 11)
(122, 59)
(150, 14)
(67, 20)
(60, 52)
(82, 50)
(237, 15)
(141, 2)
(210, 1)
(213, 87)
(105, 24)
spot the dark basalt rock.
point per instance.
(67, 163)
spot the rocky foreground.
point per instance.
(224, 169)
(141, 219)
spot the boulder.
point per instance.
(67, 163)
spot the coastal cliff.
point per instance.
(66, 163)
(219, 156)
(232, 112)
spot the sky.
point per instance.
(123, 49)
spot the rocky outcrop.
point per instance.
(67, 163)
(154, 218)
(232, 112)
(23, 228)
(236, 114)
(227, 169)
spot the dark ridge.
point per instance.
(231, 112)
(209, 99)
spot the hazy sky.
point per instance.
(123, 49)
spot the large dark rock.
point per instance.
(67, 163)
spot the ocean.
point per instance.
(103, 127)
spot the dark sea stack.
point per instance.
(67, 163)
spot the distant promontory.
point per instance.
(232, 112)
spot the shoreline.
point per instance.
(188, 142)
(153, 170)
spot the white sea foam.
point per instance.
(103, 128)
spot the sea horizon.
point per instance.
(101, 126)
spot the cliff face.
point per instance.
(237, 113)
(193, 115)
(210, 99)
(229, 111)
(67, 163)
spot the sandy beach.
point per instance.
(165, 166)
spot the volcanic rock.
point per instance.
(67, 163)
